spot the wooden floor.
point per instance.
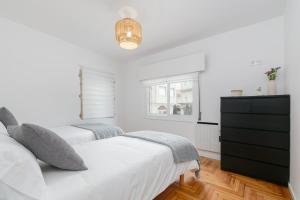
(215, 184)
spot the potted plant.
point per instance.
(272, 75)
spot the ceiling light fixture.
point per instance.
(128, 33)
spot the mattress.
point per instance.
(74, 135)
(120, 168)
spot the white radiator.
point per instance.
(207, 137)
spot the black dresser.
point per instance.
(255, 136)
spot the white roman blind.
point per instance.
(97, 94)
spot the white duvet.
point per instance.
(120, 168)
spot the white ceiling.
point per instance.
(166, 23)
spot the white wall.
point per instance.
(39, 75)
(293, 87)
(228, 67)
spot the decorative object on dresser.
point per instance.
(236, 93)
(259, 91)
(255, 136)
(272, 75)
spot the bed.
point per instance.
(120, 168)
(74, 135)
(82, 133)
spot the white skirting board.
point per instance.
(209, 154)
(292, 192)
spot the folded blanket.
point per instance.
(182, 149)
(101, 131)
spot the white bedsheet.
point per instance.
(74, 135)
(120, 168)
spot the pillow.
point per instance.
(3, 130)
(7, 118)
(47, 146)
(20, 174)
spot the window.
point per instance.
(97, 94)
(158, 101)
(162, 91)
(181, 101)
(173, 98)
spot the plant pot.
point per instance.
(272, 87)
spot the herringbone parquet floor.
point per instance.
(215, 184)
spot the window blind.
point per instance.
(97, 94)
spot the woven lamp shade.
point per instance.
(128, 33)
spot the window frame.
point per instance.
(169, 117)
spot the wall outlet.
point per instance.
(256, 62)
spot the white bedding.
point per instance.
(120, 168)
(74, 135)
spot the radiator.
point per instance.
(207, 137)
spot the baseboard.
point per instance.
(292, 192)
(209, 154)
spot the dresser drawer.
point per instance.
(255, 121)
(259, 105)
(236, 105)
(255, 169)
(258, 153)
(279, 140)
(271, 105)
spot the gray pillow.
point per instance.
(7, 118)
(47, 146)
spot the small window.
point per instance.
(173, 98)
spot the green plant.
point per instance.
(272, 73)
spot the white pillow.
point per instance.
(20, 174)
(3, 129)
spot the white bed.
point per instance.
(120, 168)
(74, 135)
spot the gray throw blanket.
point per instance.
(102, 131)
(182, 149)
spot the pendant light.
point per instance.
(128, 33)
